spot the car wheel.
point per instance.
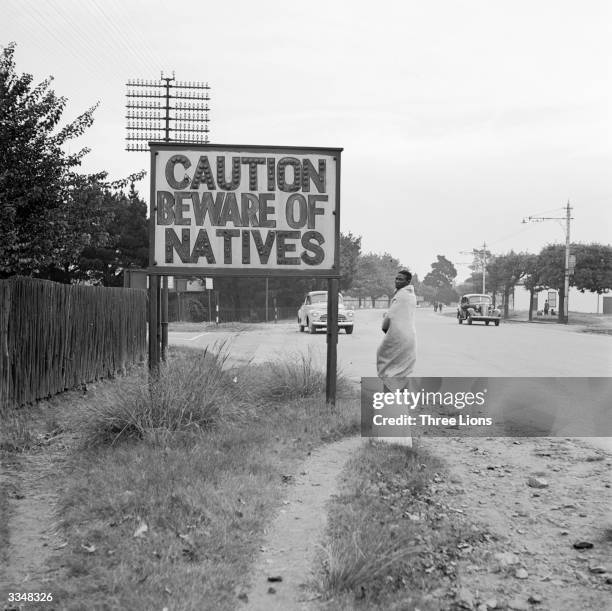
(497, 323)
(469, 319)
(311, 327)
(348, 330)
(487, 323)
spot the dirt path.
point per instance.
(536, 498)
(33, 537)
(291, 541)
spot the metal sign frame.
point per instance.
(219, 270)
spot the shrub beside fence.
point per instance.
(54, 337)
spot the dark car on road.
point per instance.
(478, 307)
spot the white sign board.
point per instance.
(244, 210)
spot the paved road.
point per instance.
(445, 348)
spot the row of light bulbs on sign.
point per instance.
(186, 116)
(145, 83)
(137, 146)
(182, 125)
(188, 93)
(190, 127)
(162, 105)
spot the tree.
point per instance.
(350, 249)
(441, 278)
(376, 276)
(593, 271)
(532, 279)
(48, 212)
(127, 245)
(504, 273)
(480, 259)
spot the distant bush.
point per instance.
(196, 312)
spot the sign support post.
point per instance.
(164, 319)
(153, 323)
(332, 341)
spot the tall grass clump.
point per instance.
(366, 557)
(15, 434)
(189, 394)
(295, 377)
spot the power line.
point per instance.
(121, 40)
(42, 22)
(482, 255)
(135, 34)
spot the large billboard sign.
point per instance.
(244, 210)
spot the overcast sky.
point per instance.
(457, 118)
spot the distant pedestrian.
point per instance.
(435, 306)
(440, 308)
(546, 308)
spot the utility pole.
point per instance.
(170, 111)
(563, 316)
(482, 256)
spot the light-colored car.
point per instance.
(313, 313)
(476, 306)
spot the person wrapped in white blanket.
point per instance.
(396, 355)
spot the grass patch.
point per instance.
(390, 544)
(4, 520)
(15, 433)
(590, 323)
(198, 460)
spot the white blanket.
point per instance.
(396, 355)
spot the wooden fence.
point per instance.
(54, 337)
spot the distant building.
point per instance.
(588, 303)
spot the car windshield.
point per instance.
(322, 298)
(479, 299)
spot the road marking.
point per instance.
(191, 339)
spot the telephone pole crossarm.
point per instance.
(566, 273)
